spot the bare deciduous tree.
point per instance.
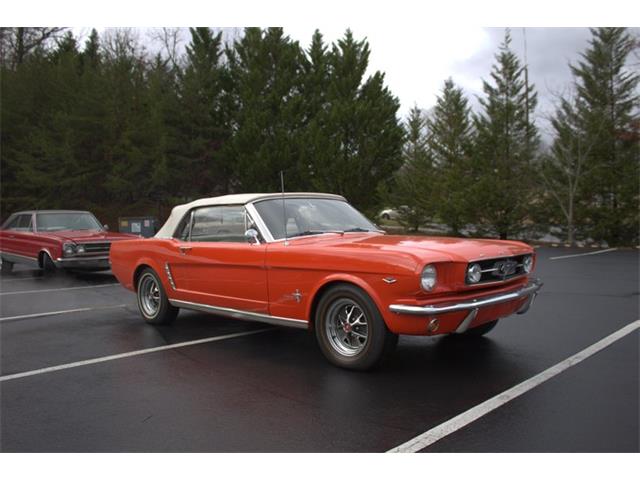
(122, 43)
(170, 39)
(565, 166)
(17, 42)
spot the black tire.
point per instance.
(481, 330)
(153, 304)
(6, 266)
(47, 264)
(342, 347)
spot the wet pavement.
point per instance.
(273, 391)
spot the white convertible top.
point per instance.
(178, 211)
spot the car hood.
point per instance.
(89, 236)
(426, 248)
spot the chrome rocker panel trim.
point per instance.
(530, 290)
(17, 258)
(241, 314)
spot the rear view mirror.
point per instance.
(106, 227)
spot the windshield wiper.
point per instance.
(358, 229)
(315, 232)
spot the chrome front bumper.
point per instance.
(530, 290)
(86, 263)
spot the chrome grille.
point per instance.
(95, 248)
(500, 269)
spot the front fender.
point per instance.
(342, 278)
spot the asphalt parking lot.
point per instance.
(128, 386)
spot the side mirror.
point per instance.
(252, 236)
(106, 227)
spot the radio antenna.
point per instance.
(284, 211)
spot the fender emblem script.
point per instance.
(297, 296)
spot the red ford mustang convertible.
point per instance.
(312, 261)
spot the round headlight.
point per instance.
(527, 264)
(80, 249)
(474, 273)
(428, 278)
(69, 248)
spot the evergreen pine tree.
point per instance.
(91, 53)
(506, 145)
(360, 135)
(451, 146)
(314, 146)
(165, 145)
(412, 191)
(266, 73)
(607, 114)
(204, 120)
(126, 123)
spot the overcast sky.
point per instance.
(416, 63)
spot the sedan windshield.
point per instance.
(309, 216)
(53, 222)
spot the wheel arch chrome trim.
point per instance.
(241, 314)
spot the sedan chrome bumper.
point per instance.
(87, 263)
(530, 290)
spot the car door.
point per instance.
(26, 238)
(8, 236)
(214, 264)
(19, 235)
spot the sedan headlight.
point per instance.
(428, 278)
(527, 264)
(80, 249)
(69, 248)
(474, 273)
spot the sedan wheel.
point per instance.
(152, 299)
(47, 264)
(5, 266)
(350, 330)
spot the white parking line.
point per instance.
(597, 252)
(129, 354)
(58, 289)
(456, 423)
(59, 312)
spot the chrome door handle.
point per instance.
(184, 249)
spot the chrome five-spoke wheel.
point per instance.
(347, 327)
(149, 295)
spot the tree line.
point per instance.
(110, 127)
(488, 173)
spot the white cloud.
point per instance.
(416, 61)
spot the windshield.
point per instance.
(53, 222)
(308, 216)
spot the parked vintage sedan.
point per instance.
(51, 239)
(312, 261)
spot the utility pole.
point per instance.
(526, 82)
